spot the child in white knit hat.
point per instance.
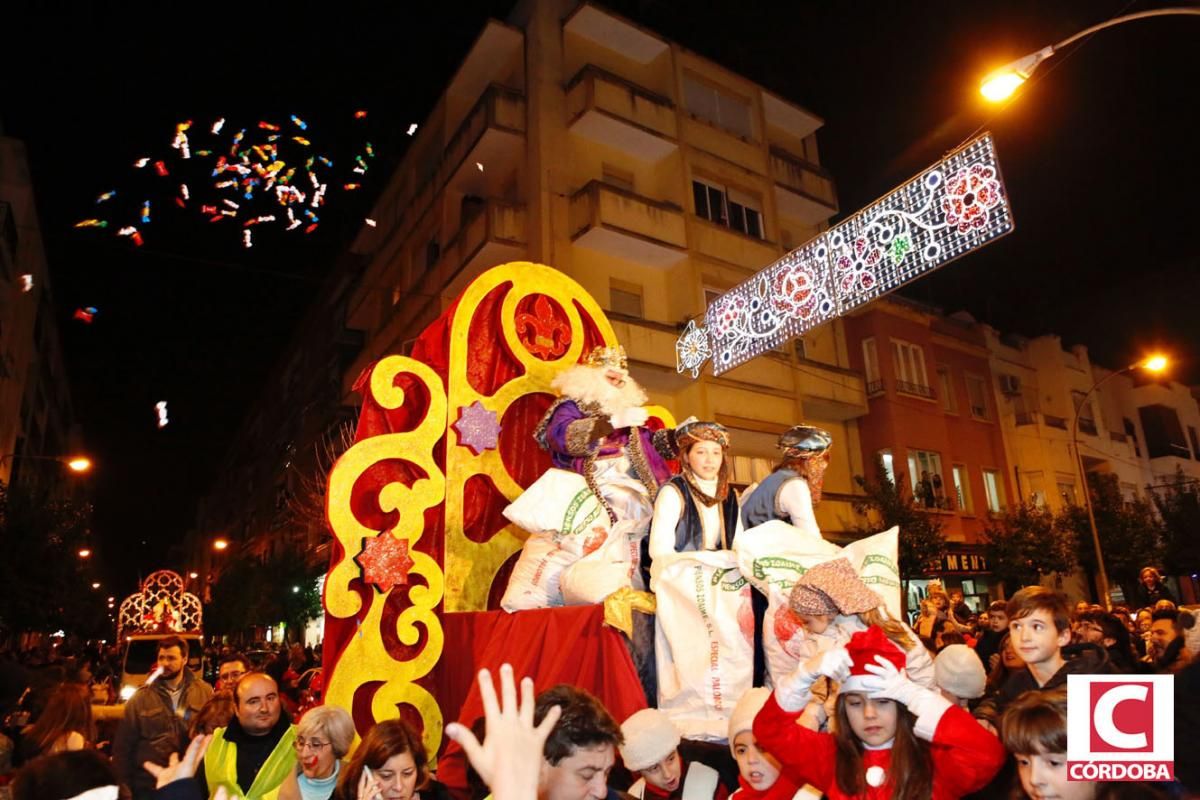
(760, 776)
(651, 750)
(959, 674)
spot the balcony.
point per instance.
(1117, 436)
(915, 389)
(495, 235)
(1026, 418)
(492, 135)
(803, 190)
(614, 112)
(874, 388)
(1055, 422)
(625, 225)
(1087, 426)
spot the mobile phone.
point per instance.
(370, 777)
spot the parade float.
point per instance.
(447, 440)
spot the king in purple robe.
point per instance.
(596, 428)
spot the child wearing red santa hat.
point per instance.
(894, 739)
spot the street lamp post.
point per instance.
(1000, 84)
(74, 463)
(1152, 364)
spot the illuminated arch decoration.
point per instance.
(955, 206)
(444, 443)
(161, 606)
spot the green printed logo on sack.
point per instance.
(583, 509)
(718, 579)
(884, 561)
(780, 572)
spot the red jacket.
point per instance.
(965, 756)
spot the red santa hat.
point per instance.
(863, 647)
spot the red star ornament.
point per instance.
(385, 562)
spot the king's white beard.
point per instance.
(585, 384)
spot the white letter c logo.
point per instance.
(1103, 717)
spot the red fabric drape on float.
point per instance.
(489, 366)
(552, 646)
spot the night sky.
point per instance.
(1097, 154)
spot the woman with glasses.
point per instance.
(323, 737)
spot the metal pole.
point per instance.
(1101, 573)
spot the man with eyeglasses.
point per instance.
(231, 668)
(253, 754)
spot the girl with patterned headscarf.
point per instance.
(695, 510)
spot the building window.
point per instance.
(871, 366)
(1066, 490)
(433, 251)
(746, 470)
(977, 396)
(885, 458)
(1087, 418)
(1131, 432)
(1129, 493)
(946, 389)
(925, 478)
(721, 108)
(728, 207)
(993, 488)
(1195, 443)
(910, 368)
(962, 488)
(625, 298)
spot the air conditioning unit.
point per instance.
(1010, 384)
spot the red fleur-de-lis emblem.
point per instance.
(544, 334)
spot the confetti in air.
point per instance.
(160, 408)
(412, 129)
(255, 175)
(26, 283)
(86, 314)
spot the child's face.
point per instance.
(872, 720)
(998, 620)
(1044, 777)
(1010, 657)
(816, 623)
(666, 773)
(1035, 638)
(759, 768)
(705, 459)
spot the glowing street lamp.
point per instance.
(1155, 363)
(96, 585)
(193, 575)
(85, 552)
(74, 463)
(220, 544)
(1000, 84)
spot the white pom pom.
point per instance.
(876, 776)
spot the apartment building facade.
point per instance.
(933, 424)
(655, 178)
(36, 416)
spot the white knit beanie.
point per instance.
(959, 671)
(650, 736)
(746, 710)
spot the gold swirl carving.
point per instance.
(471, 566)
(366, 658)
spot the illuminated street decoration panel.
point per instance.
(956, 206)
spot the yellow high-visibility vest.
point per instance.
(220, 767)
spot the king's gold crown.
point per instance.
(611, 357)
